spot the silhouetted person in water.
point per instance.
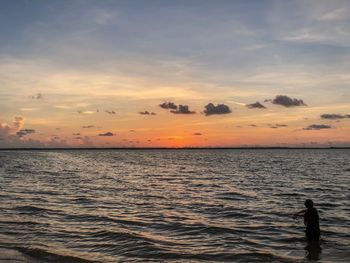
(311, 220)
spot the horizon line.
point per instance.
(175, 148)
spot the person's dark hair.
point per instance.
(308, 203)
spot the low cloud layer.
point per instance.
(287, 101)
(334, 116)
(211, 109)
(182, 109)
(88, 126)
(317, 127)
(197, 134)
(107, 134)
(146, 113)
(168, 105)
(256, 105)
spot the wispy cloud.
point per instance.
(107, 134)
(317, 127)
(256, 105)
(147, 113)
(110, 112)
(335, 116)
(24, 132)
(87, 112)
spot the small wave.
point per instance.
(50, 256)
(22, 223)
(31, 209)
(236, 196)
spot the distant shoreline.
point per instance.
(170, 148)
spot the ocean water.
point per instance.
(173, 205)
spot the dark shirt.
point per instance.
(311, 219)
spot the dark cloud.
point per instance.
(78, 138)
(317, 127)
(256, 105)
(131, 130)
(146, 113)
(277, 125)
(110, 111)
(287, 101)
(182, 109)
(253, 125)
(24, 132)
(334, 116)
(76, 134)
(37, 96)
(88, 126)
(197, 134)
(168, 105)
(211, 109)
(107, 134)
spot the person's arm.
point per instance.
(300, 213)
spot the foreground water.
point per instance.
(173, 205)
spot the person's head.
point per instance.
(308, 203)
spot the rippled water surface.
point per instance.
(173, 205)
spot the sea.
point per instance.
(173, 205)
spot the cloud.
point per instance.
(253, 125)
(29, 109)
(287, 101)
(76, 134)
(168, 105)
(211, 109)
(334, 116)
(85, 112)
(197, 134)
(18, 123)
(107, 134)
(256, 105)
(146, 113)
(63, 107)
(182, 109)
(109, 111)
(5, 130)
(12, 136)
(88, 126)
(37, 96)
(277, 125)
(317, 127)
(24, 132)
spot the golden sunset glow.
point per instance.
(99, 83)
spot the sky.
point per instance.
(162, 73)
